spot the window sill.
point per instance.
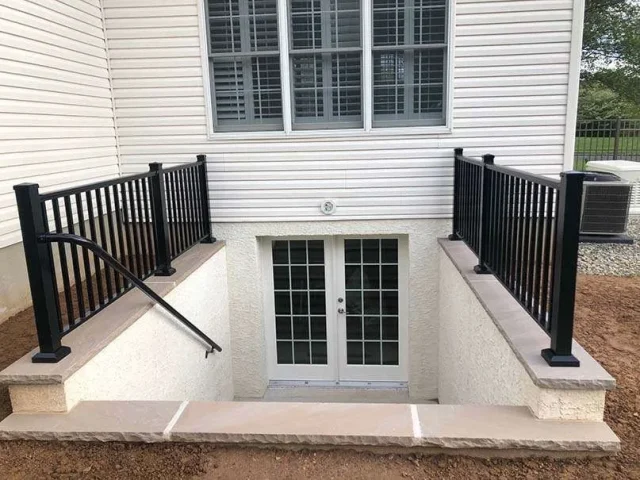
(378, 133)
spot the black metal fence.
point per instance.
(610, 139)
(525, 230)
(143, 221)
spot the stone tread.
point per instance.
(447, 427)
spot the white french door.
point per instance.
(336, 309)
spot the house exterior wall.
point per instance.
(246, 294)
(513, 95)
(56, 114)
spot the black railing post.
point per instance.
(163, 266)
(41, 274)
(565, 271)
(204, 190)
(457, 152)
(485, 216)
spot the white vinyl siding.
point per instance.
(56, 112)
(510, 84)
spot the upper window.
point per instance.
(321, 51)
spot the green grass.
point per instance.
(590, 146)
(604, 145)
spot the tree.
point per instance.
(611, 35)
(610, 80)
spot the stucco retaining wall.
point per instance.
(479, 366)
(246, 294)
(155, 358)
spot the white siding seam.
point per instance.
(110, 78)
(574, 82)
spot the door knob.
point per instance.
(341, 310)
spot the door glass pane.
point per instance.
(300, 302)
(371, 281)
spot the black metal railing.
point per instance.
(607, 139)
(129, 218)
(524, 228)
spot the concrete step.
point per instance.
(485, 430)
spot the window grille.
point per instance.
(245, 64)
(409, 57)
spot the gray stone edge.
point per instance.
(604, 380)
(76, 360)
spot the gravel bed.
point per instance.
(612, 259)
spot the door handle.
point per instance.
(341, 310)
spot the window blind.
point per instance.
(326, 63)
(245, 64)
(409, 57)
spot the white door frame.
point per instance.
(336, 371)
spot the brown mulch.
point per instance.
(607, 324)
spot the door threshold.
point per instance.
(338, 384)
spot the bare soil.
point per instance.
(607, 325)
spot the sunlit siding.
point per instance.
(56, 113)
(510, 99)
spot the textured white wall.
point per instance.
(156, 358)
(478, 366)
(246, 294)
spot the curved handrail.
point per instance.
(116, 265)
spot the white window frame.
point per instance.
(367, 79)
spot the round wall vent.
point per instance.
(328, 207)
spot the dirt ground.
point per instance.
(607, 325)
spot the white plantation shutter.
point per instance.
(245, 64)
(324, 54)
(326, 63)
(409, 58)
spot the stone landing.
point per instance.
(480, 430)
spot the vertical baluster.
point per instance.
(184, 189)
(193, 204)
(96, 261)
(176, 212)
(509, 232)
(54, 276)
(539, 251)
(120, 220)
(104, 236)
(75, 263)
(142, 231)
(171, 215)
(553, 259)
(183, 210)
(131, 257)
(532, 261)
(64, 266)
(525, 242)
(546, 259)
(503, 226)
(146, 197)
(198, 214)
(88, 277)
(516, 230)
(136, 250)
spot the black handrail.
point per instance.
(116, 265)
